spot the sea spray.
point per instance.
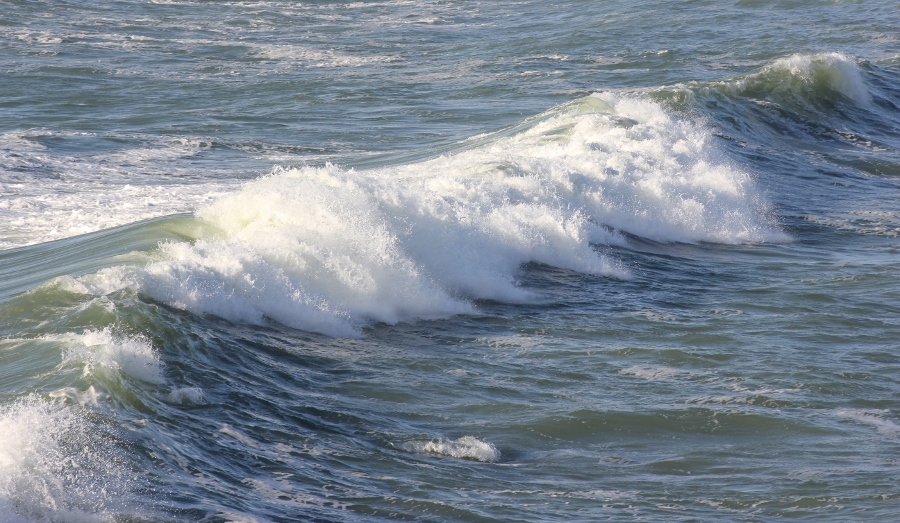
(55, 465)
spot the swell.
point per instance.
(333, 250)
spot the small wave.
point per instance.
(466, 447)
(875, 222)
(873, 418)
(805, 78)
(163, 152)
(186, 396)
(102, 352)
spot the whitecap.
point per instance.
(654, 372)
(466, 447)
(837, 70)
(186, 396)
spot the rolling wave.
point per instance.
(332, 250)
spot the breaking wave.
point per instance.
(331, 250)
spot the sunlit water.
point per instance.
(449, 261)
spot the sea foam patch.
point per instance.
(874, 418)
(47, 194)
(656, 373)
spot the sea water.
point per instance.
(449, 261)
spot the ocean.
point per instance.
(447, 260)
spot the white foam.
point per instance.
(466, 447)
(873, 418)
(186, 395)
(311, 57)
(104, 352)
(38, 37)
(52, 467)
(654, 372)
(46, 211)
(89, 397)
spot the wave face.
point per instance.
(330, 250)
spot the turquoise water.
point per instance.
(449, 261)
